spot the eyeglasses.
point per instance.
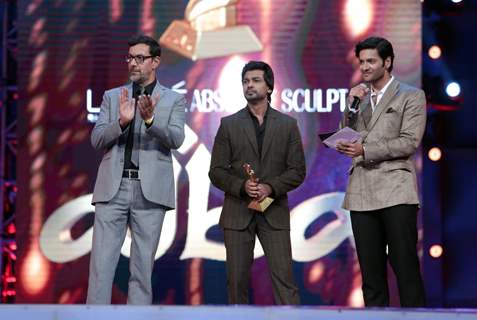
(139, 58)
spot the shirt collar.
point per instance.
(253, 116)
(147, 89)
(383, 90)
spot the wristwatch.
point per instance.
(148, 122)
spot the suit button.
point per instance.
(121, 161)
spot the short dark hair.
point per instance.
(383, 46)
(154, 47)
(267, 74)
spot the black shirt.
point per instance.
(259, 129)
(260, 134)
(130, 138)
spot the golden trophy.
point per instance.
(209, 30)
(254, 204)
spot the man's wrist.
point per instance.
(122, 125)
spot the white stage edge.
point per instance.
(122, 312)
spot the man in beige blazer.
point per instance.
(270, 142)
(382, 190)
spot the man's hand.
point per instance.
(350, 149)
(146, 106)
(251, 188)
(264, 190)
(359, 91)
(126, 108)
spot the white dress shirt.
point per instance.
(379, 94)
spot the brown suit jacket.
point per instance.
(282, 166)
(385, 176)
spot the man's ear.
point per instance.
(387, 63)
(157, 62)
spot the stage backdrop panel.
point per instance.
(72, 51)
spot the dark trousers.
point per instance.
(239, 245)
(394, 227)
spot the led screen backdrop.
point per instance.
(71, 51)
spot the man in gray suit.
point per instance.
(138, 126)
(382, 189)
(270, 142)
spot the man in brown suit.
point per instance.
(382, 189)
(270, 142)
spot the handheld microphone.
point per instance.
(353, 112)
(354, 106)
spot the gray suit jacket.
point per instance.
(156, 142)
(282, 166)
(385, 176)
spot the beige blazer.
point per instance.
(386, 176)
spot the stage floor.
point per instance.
(77, 312)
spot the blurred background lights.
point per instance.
(363, 9)
(453, 89)
(436, 251)
(435, 154)
(435, 52)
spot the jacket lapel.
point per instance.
(129, 86)
(388, 95)
(249, 130)
(158, 91)
(271, 125)
(367, 111)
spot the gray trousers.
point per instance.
(110, 225)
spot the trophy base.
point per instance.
(183, 39)
(260, 206)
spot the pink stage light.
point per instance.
(435, 154)
(148, 21)
(358, 17)
(434, 52)
(34, 272)
(116, 10)
(436, 251)
(316, 272)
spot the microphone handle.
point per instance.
(354, 106)
(353, 112)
